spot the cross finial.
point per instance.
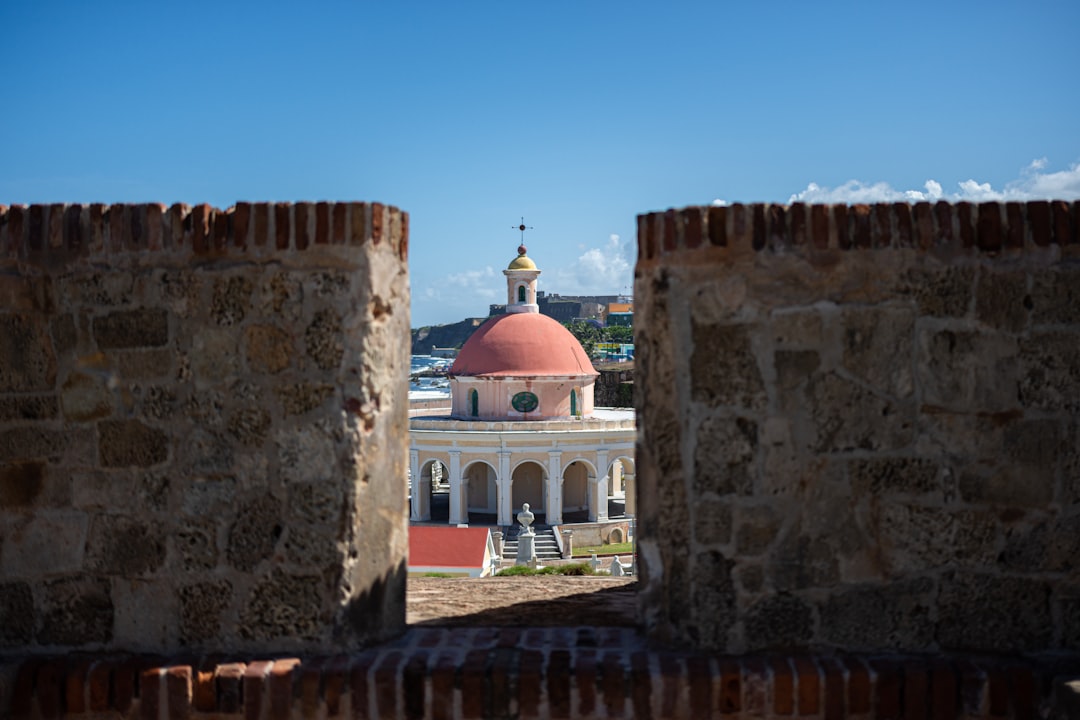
(523, 227)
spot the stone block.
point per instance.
(967, 371)
(893, 616)
(201, 608)
(145, 327)
(712, 521)
(1048, 546)
(249, 426)
(28, 407)
(152, 491)
(231, 301)
(65, 334)
(26, 293)
(21, 443)
(1011, 485)
(757, 528)
(1002, 301)
(906, 475)
(27, 362)
(916, 538)
(321, 503)
(1049, 371)
(85, 397)
(877, 347)
(102, 289)
(47, 542)
(76, 610)
(794, 368)
(305, 454)
(21, 483)
(300, 398)
(207, 453)
(710, 601)
(146, 616)
(723, 367)
(940, 292)
(724, 456)
(125, 547)
(128, 443)
(208, 497)
(284, 606)
(102, 489)
(778, 622)
(1055, 295)
(802, 561)
(254, 533)
(196, 544)
(16, 614)
(312, 548)
(268, 348)
(323, 340)
(992, 613)
(142, 364)
(215, 356)
(844, 416)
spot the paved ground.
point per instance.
(539, 601)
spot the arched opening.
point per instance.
(474, 403)
(527, 486)
(621, 498)
(480, 493)
(432, 502)
(521, 293)
(573, 402)
(575, 491)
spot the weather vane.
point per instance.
(523, 227)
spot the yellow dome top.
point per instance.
(522, 261)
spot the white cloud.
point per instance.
(605, 270)
(1033, 184)
(719, 203)
(479, 283)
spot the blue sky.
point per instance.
(578, 115)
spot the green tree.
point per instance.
(586, 333)
(618, 334)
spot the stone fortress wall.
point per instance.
(857, 431)
(203, 426)
(860, 426)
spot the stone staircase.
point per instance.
(546, 546)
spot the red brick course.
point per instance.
(58, 233)
(537, 672)
(989, 227)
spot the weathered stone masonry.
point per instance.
(860, 426)
(202, 426)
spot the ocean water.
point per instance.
(428, 388)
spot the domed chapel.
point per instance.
(522, 427)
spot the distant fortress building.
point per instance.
(522, 426)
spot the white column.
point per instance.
(554, 488)
(456, 501)
(506, 506)
(598, 488)
(631, 494)
(415, 512)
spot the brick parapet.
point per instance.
(134, 234)
(563, 672)
(988, 227)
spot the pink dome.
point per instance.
(522, 345)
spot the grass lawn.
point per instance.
(614, 548)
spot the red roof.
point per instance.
(522, 344)
(441, 546)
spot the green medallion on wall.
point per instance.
(525, 402)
